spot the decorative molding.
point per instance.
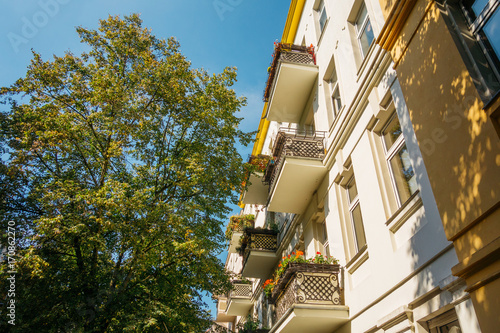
(402, 215)
(394, 23)
(357, 260)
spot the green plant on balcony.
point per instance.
(297, 257)
(239, 222)
(251, 325)
(256, 163)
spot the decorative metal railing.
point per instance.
(291, 53)
(290, 142)
(258, 239)
(305, 283)
(262, 239)
(241, 289)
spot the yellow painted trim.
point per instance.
(261, 133)
(292, 21)
(395, 22)
(291, 26)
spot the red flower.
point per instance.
(318, 252)
(300, 253)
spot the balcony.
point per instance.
(255, 192)
(240, 298)
(259, 251)
(222, 316)
(292, 75)
(296, 170)
(234, 230)
(308, 298)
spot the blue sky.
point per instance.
(213, 34)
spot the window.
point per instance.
(364, 31)
(483, 18)
(475, 27)
(321, 16)
(445, 323)
(355, 214)
(403, 176)
(335, 93)
(323, 238)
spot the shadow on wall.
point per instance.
(459, 145)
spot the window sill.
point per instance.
(404, 212)
(357, 260)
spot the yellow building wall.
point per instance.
(459, 145)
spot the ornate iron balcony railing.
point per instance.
(241, 289)
(295, 143)
(291, 53)
(260, 239)
(305, 283)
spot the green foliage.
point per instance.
(256, 163)
(249, 326)
(239, 222)
(118, 169)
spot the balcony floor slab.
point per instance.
(259, 264)
(291, 91)
(312, 318)
(298, 180)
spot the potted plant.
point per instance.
(239, 222)
(257, 165)
(251, 325)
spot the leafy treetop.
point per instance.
(118, 168)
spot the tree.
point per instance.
(119, 167)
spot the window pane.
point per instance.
(392, 132)
(453, 327)
(492, 32)
(325, 235)
(404, 176)
(362, 15)
(359, 231)
(366, 37)
(478, 6)
(322, 19)
(337, 102)
(333, 79)
(352, 190)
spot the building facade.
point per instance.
(378, 146)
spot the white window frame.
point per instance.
(390, 153)
(336, 99)
(353, 203)
(322, 237)
(476, 25)
(322, 11)
(361, 29)
(435, 325)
